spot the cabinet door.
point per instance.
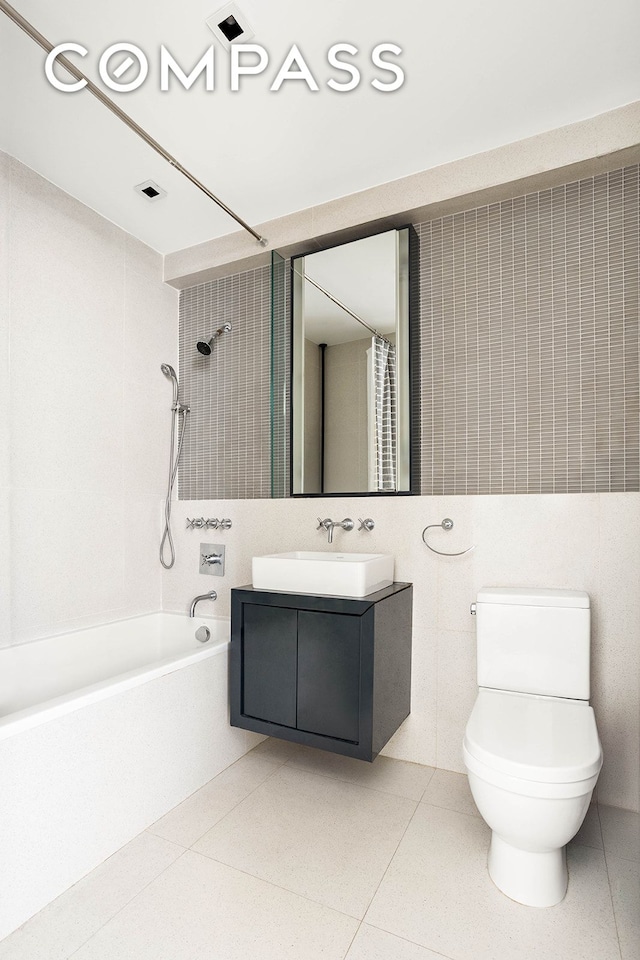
(269, 663)
(329, 674)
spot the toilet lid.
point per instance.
(534, 738)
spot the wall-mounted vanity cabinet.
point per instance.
(329, 672)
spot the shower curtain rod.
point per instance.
(42, 41)
(346, 309)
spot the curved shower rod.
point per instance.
(42, 41)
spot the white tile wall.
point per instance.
(5, 553)
(90, 322)
(587, 542)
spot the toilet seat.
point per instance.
(515, 737)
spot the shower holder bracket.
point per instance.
(212, 559)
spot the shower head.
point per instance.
(205, 347)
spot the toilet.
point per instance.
(531, 745)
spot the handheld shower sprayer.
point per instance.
(205, 347)
(169, 372)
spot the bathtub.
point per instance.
(102, 731)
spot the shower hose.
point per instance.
(178, 411)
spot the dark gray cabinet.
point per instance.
(330, 672)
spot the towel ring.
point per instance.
(446, 524)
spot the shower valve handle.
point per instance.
(210, 558)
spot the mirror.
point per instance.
(350, 368)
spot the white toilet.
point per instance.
(531, 745)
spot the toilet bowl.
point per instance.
(532, 764)
(532, 758)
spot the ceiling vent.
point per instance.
(150, 190)
(229, 25)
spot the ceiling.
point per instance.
(478, 75)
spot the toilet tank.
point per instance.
(534, 641)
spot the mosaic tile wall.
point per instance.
(529, 326)
(528, 332)
(227, 449)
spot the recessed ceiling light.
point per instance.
(229, 25)
(150, 190)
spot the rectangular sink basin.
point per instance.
(337, 574)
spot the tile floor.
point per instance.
(295, 853)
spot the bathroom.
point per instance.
(302, 852)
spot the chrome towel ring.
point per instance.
(446, 524)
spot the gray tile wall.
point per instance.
(529, 329)
(227, 449)
(529, 353)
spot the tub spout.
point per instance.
(212, 595)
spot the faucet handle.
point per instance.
(347, 524)
(367, 524)
(322, 524)
(196, 524)
(210, 558)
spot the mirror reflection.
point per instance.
(351, 368)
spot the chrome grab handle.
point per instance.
(445, 524)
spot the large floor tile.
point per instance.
(620, 832)
(202, 910)
(437, 892)
(68, 922)
(191, 819)
(450, 790)
(322, 838)
(624, 879)
(391, 776)
(277, 751)
(373, 944)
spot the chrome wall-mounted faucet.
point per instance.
(212, 595)
(328, 525)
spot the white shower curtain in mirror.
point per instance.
(384, 374)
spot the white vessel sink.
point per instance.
(339, 574)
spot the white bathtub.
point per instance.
(102, 732)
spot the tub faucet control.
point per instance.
(212, 559)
